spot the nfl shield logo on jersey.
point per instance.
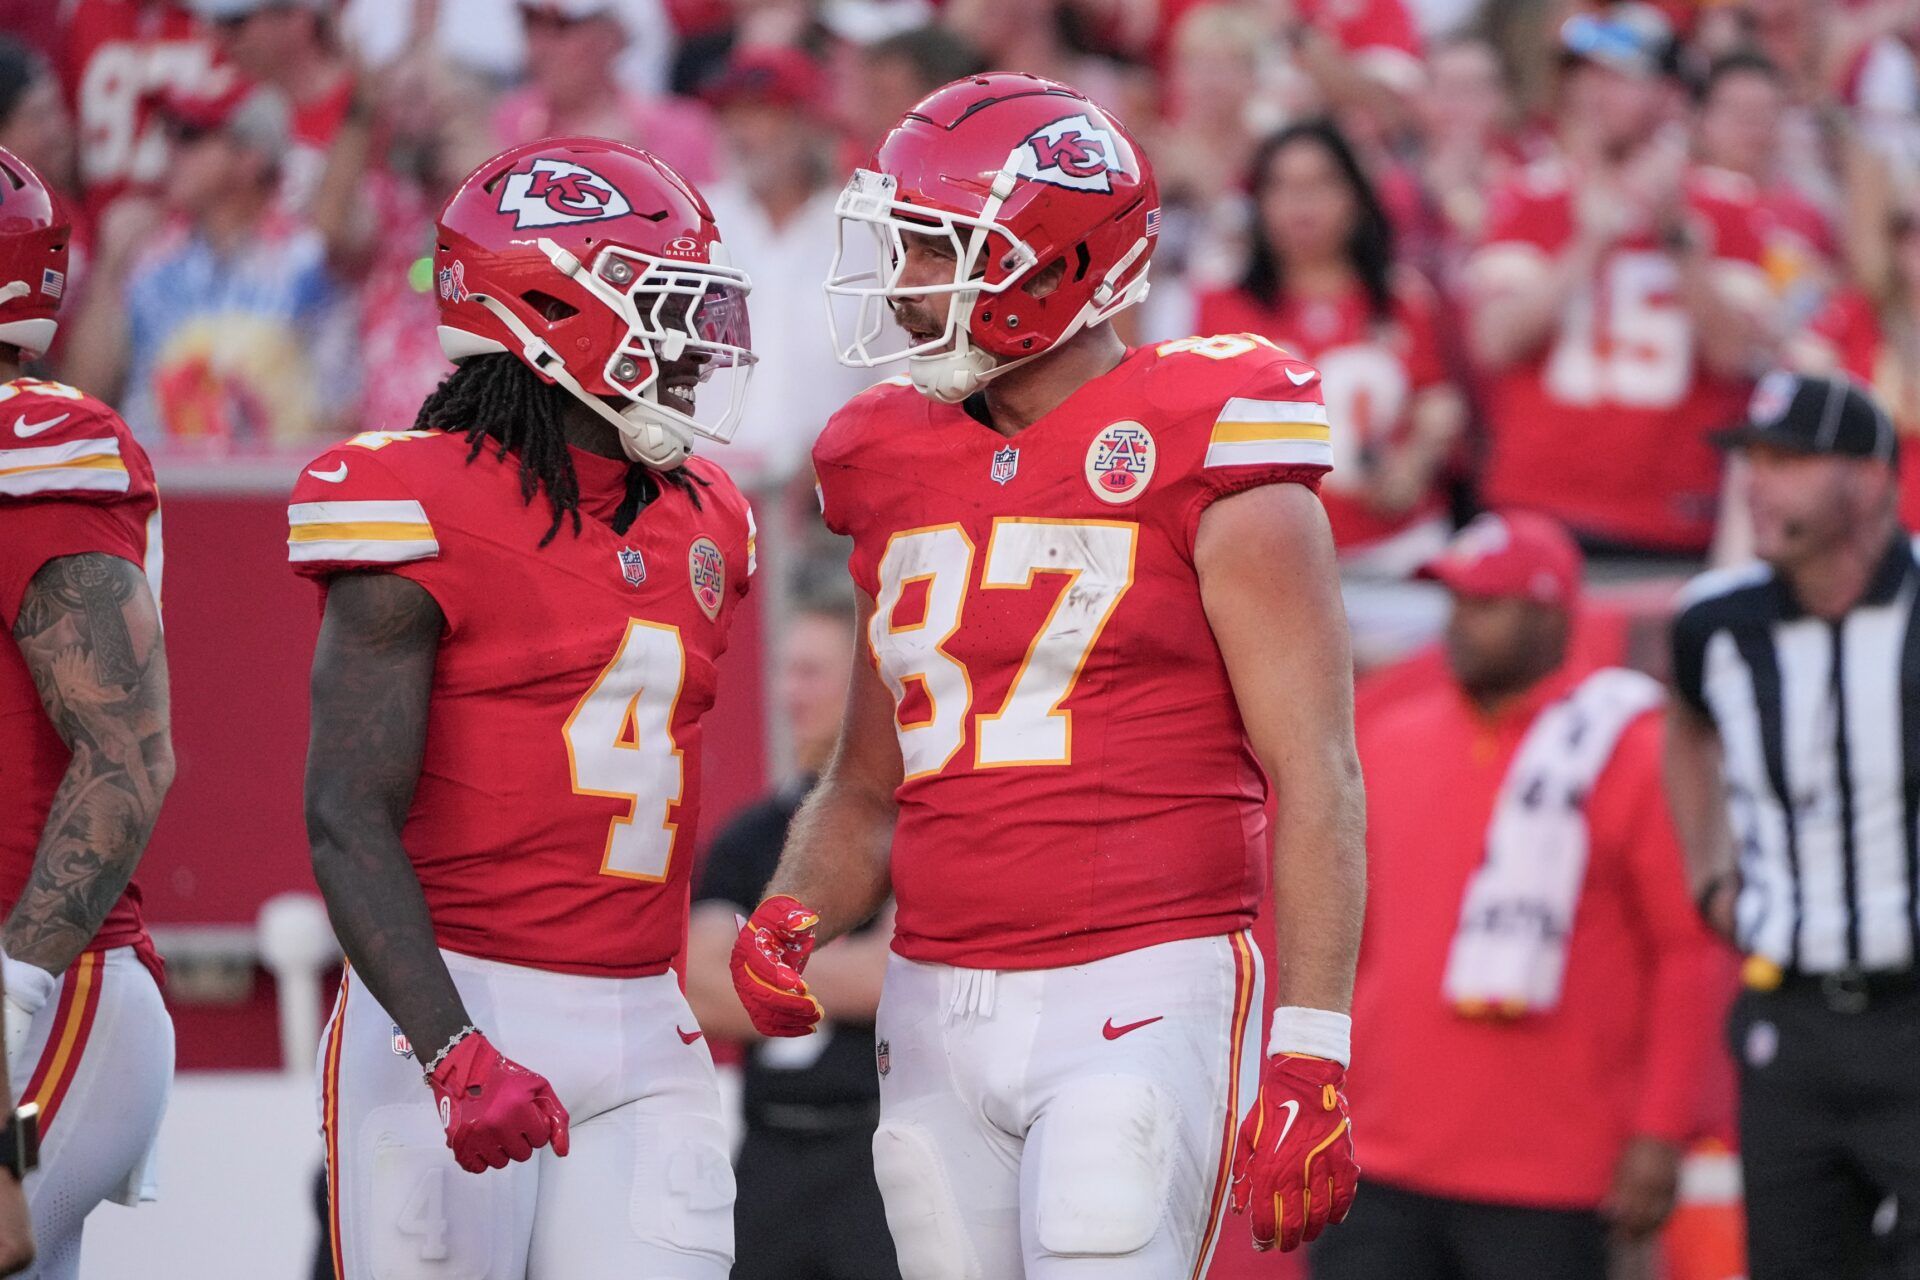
(401, 1045)
(1120, 462)
(708, 569)
(1005, 463)
(633, 567)
(883, 1056)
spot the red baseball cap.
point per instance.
(1516, 553)
(774, 77)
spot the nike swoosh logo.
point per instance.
(27, 430)
(1112, 1032)
(689, 1037)
(1301, 379)
(334, 476)
(1292, 1107)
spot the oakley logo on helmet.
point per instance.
(554, 192)
(1073, 152)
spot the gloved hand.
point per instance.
(29, 987)
(768, 958)
(1294, 1165)
(494, 1109)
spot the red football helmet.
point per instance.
(1017, 173)
(601, 268)
(33, 256)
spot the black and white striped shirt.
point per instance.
(1819, 725)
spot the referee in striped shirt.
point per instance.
(1793, 768)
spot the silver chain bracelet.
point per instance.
(447, 1048)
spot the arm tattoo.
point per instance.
(90, 634)
(372, 682)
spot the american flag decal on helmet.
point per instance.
(1153, 221)
(53, 283)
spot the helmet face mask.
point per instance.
(1015, 174)
(622, 294)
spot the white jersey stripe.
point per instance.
(1247, 453)
(371, 552)
(1240, 409)
(48, 454)
(24, 484)
(400, 511)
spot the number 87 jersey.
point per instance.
(1078, 782)
(553, 822)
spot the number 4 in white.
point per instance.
(620, 746)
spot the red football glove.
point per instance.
(768, 957)
(494, 1109)
(1294, 1163)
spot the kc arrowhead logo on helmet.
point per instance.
(553, 193)
(1074, 152)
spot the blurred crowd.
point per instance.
(1538, 248)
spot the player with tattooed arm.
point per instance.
(1102, 624)
(86, 757)
(525, 597)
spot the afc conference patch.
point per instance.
(633, 566)
(708, 570)
(1120, 462)
(1006, 463)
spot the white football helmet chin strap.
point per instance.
(952, 376)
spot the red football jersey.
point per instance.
(1370, 370)
(1078, 780)
(72, 480)
(1606, 427)
(553, 824)
(121, 58)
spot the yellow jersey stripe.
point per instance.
(1253, 432)
(368, 531)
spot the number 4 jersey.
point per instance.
(1078, 780)
(554, 819)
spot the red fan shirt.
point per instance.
(72, 481)
(1606, 426)
(1078, 780)
(1536, 1110)
(1371, 368)
(553, 824)
(122, 57)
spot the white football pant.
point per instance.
(99, 1060)
(1065, 1124)
(646, 1192)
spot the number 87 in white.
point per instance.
(1030, 728)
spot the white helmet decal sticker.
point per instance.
(555, 193)
(1073, 152)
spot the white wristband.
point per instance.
(1321, 1033)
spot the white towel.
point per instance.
(1509, 953)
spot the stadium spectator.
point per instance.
(410, 133)
(1322, 282)
(226, 329)
(34, 122)
(573, 50)
(890, 75)
(292, 46)
(1791, 747)
(1467, 124)
(811, 1103)
(1216, 110)
(778, 211)
(1742, 103)
(1617, 307)
(1533, 1013)
(121, 58)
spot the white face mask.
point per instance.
(673, 311)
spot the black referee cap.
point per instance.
(1815, 413)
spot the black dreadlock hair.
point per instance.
(494, 399)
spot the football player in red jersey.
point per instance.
(524, 601)
(86, 757)
(1103, 623)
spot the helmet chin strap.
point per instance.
(646, 435)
